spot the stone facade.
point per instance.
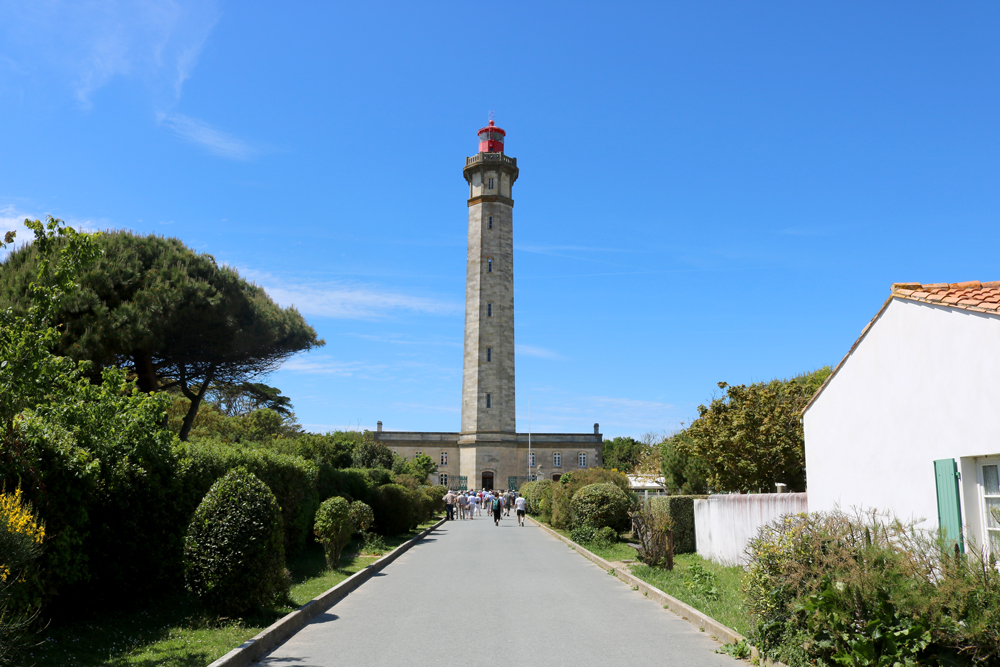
(488, 451)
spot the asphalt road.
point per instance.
(472, 593)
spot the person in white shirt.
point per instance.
(519, 505)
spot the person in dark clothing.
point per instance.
(497, 506)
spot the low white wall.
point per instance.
(724, 524)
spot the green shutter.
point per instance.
(949, 505)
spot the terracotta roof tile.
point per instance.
(971, 295)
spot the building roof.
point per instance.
(972, 295)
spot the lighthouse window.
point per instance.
(489, 225)
(491, 184)
(489, 310)
(489, 266)
(489, 401)
(489, 354)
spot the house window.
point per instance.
(417, 454)
(557, 459)
(443, 479)
(444, 458)
(489, 266)
(489, 225)
(531, 459)
(489, 401)
(489, 354)
(582, 460)
(990, 475)
(489, 310)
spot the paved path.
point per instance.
(472, 593)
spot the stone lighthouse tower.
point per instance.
(488, 436)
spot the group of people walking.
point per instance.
(470, 504)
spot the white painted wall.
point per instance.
(923, 384)
(725, 524)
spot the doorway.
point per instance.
(488, 480)
(555, 478)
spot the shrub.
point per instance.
(605, 536)
(865, 590)
(362, 517)
(651, 525)
(334, 527)
(333, 449)
(680, 509)
(567, 486)
(378, 476)
(293, 481)
(407, 480)
(583, 534)
(351, 483)
(601, 505)
(233, 554)
(393, 507)
(21, 537)
(538, 499)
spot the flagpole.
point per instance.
(529, 439)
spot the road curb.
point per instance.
(702, 621)
(254, 649)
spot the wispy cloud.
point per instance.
(325, 365)
(213, 139)
(533, 351)
(348, 301)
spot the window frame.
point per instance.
(581, 459)
(489, 355)
(444, 458)
(489, 224)
(443, 479)
(532, 458)
(557, 459)
(489, 400)
(489, 266)
(984, 510)
(489, 309)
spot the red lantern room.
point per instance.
(491, 139)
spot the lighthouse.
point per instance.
(488, 452)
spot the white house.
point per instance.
(909, 421)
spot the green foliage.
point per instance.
(335, 449)
(333, 527)
(752, 437)
(684, 473)
(605, 536)
(168, 315)
(702, 582)
(623, 454)
(351, 483)
(583, 534)
(90, 457)
(233, 556)
(394, 509)
(293, 481)
(362, 517)
(422, 467)
(739, 650)
(602, 504)
(863, 590)
(370, 453)
(680, 509)
(538, 499)
(567, 486)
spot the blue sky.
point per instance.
(708, 191)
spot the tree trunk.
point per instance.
(142, 360)
(195, 401)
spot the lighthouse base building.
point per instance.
(488, 452)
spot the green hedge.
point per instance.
(681, 510)
(567, 486)
(538, 499)
(292, 479)
(602, 505)
(351, 483)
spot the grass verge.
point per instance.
(174, 631)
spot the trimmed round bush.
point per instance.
(394, 509)
(333, 527)
(234, 559)
(362, 517)
(600, 505)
